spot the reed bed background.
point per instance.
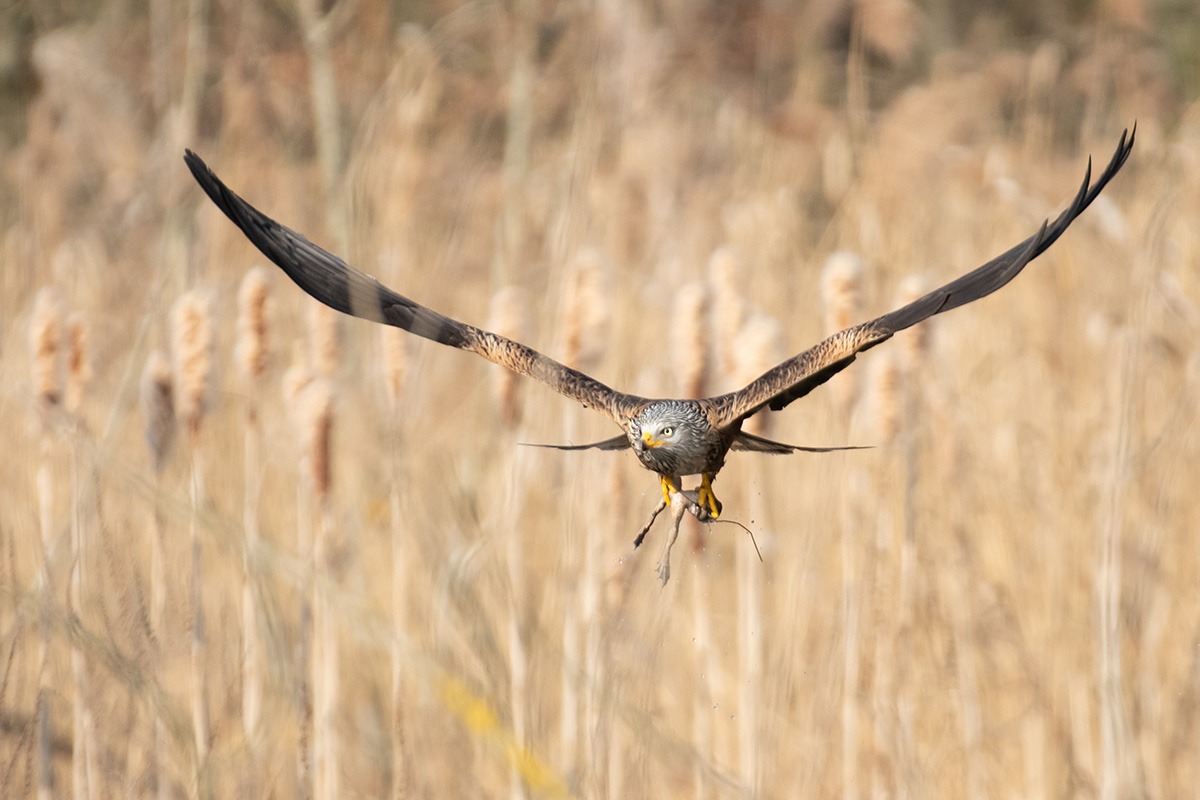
(348, 580)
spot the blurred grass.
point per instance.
(1059, 411)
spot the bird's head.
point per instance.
(663, 431)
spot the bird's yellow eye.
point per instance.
(667, 431)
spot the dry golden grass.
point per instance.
(998, 600)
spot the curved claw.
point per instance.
(708, 500)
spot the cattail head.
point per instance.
(890, 28)
(158, 406)
(509, 317)
(46, 344)
(316, 402)
(192, 343)
(395, 363)
(586, 309)
(325, 339)
(914, 342)
(886, 396)
(79, 362)
(253, 349)
(727, 273)
(758, 347)
(296, 378)
(690, 334)
(841, 282)
(841, 279)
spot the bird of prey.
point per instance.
(671, 437)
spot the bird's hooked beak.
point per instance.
(648, 440)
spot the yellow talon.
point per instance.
(707, 498)
(666, 488)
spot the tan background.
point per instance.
(999, 600)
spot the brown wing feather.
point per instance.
(333, 282)
(801, 374)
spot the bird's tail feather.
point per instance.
(757, 444)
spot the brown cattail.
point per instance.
(192, 343)
(691, 335)
(79, 362)
(325, 339)
(395, 363)
(886, 396)
(509, 317)
(727, 273)
(586, 309)
(158, 405)
(758, 347)
(253, 350)
(841, 281)
(46, 342)
(317, 403)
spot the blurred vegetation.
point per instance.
(997, 600)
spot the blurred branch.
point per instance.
(195, 65)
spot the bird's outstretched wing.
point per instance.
(801, 374)
(332, 281)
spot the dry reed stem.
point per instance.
(318, 26)
(79, 372)
(296, 380)
(851, 605)
(518, 134)
(758, 347)
(584, 326)
(158, 409)
(252, 354)
(317, 403)
(516, 474)
(192, 350)
(727, 274)
(691, 334)
(395, 365)
(195, 65)
(326, 332)
(691, 339)
(837, 166)
(46, 345)
(1118, 777)
(958, 601)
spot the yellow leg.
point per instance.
(706, 496)
(667, 488)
